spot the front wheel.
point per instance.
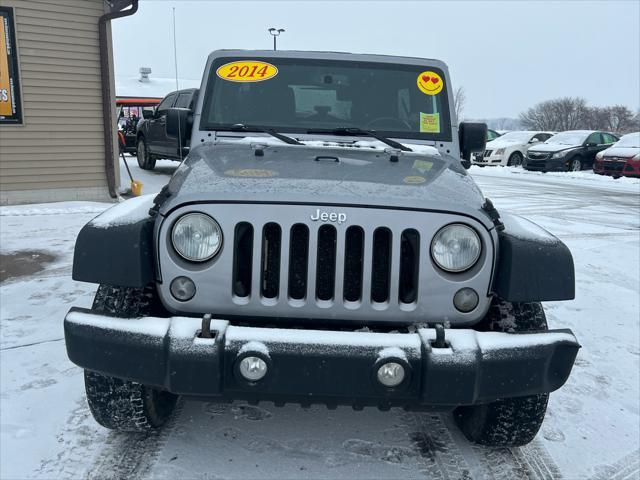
(119, 404)
(509, 422)
(515, 159)
(145, 160)
(575, 165)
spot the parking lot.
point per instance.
(46, 422)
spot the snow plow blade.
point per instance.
(319, 366)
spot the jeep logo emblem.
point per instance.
(338, 218)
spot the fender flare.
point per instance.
(116, 247)
(533, 265)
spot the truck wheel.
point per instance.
(510, 422)
(119, 404)
(515, 160)
(145, 160)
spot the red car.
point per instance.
(622, 159)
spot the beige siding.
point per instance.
(60, 144)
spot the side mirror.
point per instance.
(179, 123)
(473, 138)
(147, 113)
(591, 144)
(534, 140)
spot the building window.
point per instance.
(10, 101)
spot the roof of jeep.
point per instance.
(328, 56)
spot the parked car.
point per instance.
(152, 140)
(572, 150)
(510, 148)
(130, 110)
(492, 134)
(622, 159)
(286, 263)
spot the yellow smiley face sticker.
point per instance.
(430, 83)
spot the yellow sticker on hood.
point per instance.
(429, 122)
(430, 83)
(247, 71)
(414, 180)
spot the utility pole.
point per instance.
(275, 32)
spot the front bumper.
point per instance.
(493, 160)
(546, 165)
(620, 168)
(319, 366)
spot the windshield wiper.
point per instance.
(241, 127)
(354, 131)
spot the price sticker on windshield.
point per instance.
(247, 71)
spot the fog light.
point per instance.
(391, 374)
(465, 300)
(253, 368)
(183, 288)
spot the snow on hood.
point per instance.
(498, 143)
(231, 171)
(551, 147)
(125, 213)
(625, 152)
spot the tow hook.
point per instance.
(205, 331)
(439, 342)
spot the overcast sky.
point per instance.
(508, 55)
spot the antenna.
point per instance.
(175, 66)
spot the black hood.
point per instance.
(235, 171)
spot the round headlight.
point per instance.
(456, 248)
(196, 237)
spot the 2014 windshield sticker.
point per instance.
(429, 122)
(430, 83)
(247, 71)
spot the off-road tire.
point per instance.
(120, 404)
(146, 161)
(515, 160)
(509, 422)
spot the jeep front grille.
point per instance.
(290, 274)
(280, 261)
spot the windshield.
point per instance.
(298, 95)
(521, 137)
(629, 140)
(569, 138)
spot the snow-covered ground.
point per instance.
(592, 428)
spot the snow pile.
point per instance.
(61, 208)
(586, 175)
(125, 213)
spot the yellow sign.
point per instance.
(414, 180)
(10, 108)
(429, 122)
(422, 165)
(430, 83)
(247, 71)
(250, 172)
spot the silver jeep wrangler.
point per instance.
(322, 243)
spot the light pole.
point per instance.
(276, 33)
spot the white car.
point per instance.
(510, 148)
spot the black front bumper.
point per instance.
(318, 366)
(545, 165)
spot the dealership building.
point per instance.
(57, 100)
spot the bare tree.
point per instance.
(459, 99)
(567, 113)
